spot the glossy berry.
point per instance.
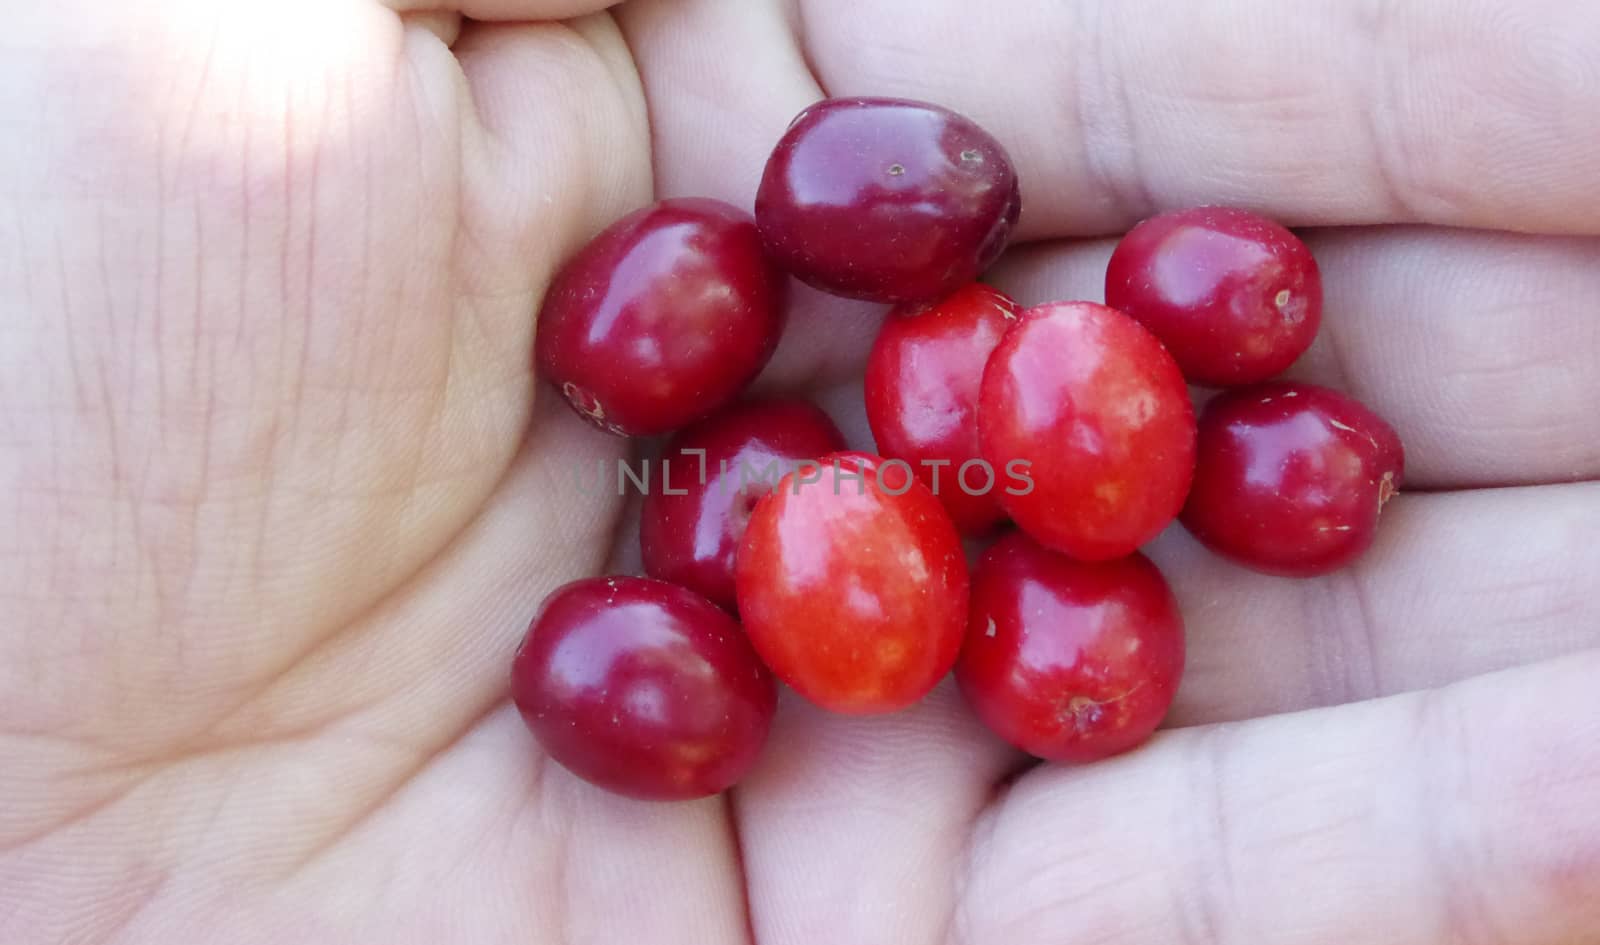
(1234, 296)
(1067, 660)
(664, 317)
(644, 688)
(922, 396)
(886, 200)
(692, 522)
(853, 586)
(1100, 413)
(1291, 478)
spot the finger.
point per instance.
(1480, 348)
(873, 814)
(442, 24)
(1484, 114)
(723, 81)
(1484, 346)
(505, 10)
(1457, 585)
(1460, 815)
(564, 99)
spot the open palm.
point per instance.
(279, 493)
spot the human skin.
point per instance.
(279, 496)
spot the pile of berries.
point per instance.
(781, 553)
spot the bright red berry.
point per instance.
(887, 200)
(644, 688)
(922, 397)
(1292, 478)
(713, 474)
(1234, 296)
(1068, 660)
(664, 317)
(1099, 413)
(853, 586)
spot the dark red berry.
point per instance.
(664, 317)
(1068, 660)
(1234, 296)
(886, 200)
(715, 471)
(643, 688)
(922, 397)
(1100, 415)
(853, 585)
(1291, 478)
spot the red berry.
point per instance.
(922, 397)
(1099, 412)
(1291, 478)
(886, 200)
(664, 317)
(853, 586)
(721, 466)
(644, 688)
(1067, 660)
(1234, 296)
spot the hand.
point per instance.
(280, 494)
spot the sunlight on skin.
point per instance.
(329, 397)
(286, 440)
(280, 499)
(277, 350)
